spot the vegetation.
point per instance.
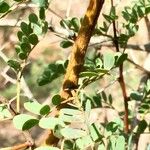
(77, 117)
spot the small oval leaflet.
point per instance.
(4, 7)
(24, 121)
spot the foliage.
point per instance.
(91, 134)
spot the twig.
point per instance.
(138, 66)
(121, 79)
(19, 147)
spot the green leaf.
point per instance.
(25, 39)
(70, 133)
(14, 64)
(71, 115)
(141, 11)
(53, 71)
(37, 108)
(26, 47)
(45, 110)
(22, 55)
(136, 96)
(120, 59)
(104, 96)
(24, 28)
(65, 23)
(33, 106)
(41, 3)
(75, 23)
(98, 63)
(4, 112)
(47, 148)
(42, 13)
(20, 35)
(95, 132)
(142, 125)
(88, 74)
(50, 123)
(84, 142)
(120, 143)
(56, 99)
(33, 39)
(4, 7)
(87, 111)
(147, 10)
(24, 121)
(108, 18)
(68, 145)
(37, 29)
(109, 60)
(101, 147)
(66, 44)
(33, 18)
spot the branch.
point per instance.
(22, 146)
(121, 79)
(77, 57)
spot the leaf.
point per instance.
(98, 63)
(37, 29)
(68, 145)
(24, 39)
(88, 74)
(14, 64)
(22, 55)
(24, 121)
(50, 123)
(104, 96)
(42, 13)
(41, 3)
(95, 132)
(66, 44)
(25, 47)
(108, 18)
(4, 112)
(142, 125)
(47, 148)
(84, 142)
(53, 71)
(33, 18)
(37, 108)
(45, 110)
(71, 115)
(4, 7)
(33, 39)
(70, 133)
(120, 59)
(75, 23)
(33, 106)
(24, 28)
(56, 99)
(120, 143)
(109, 60)
(136, 96)
(20, 35)
(65, 23)
(101, 147)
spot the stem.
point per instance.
(121, 79)
(18, 92)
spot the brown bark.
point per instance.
(79, 48)
(77, 57)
